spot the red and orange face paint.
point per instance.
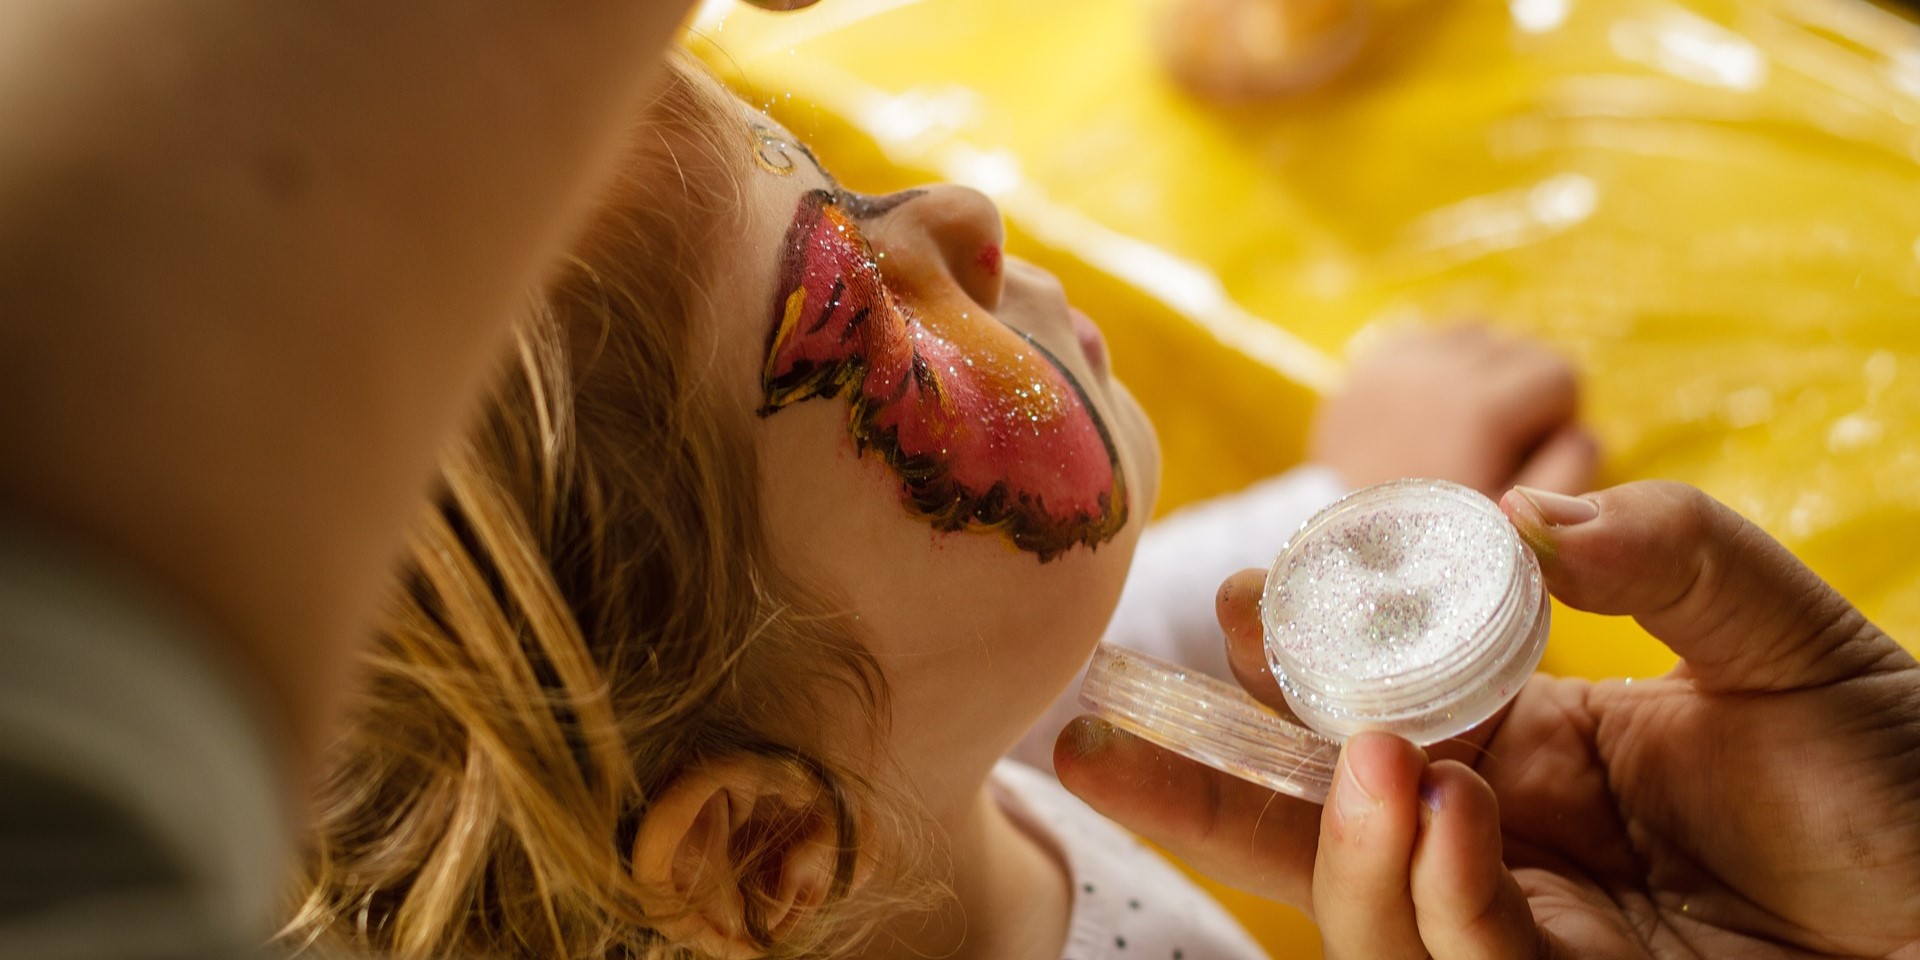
(984, 429)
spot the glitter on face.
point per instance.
(1385, 592)
(984, 429)
(770, 151)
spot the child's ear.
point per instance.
(735, 852)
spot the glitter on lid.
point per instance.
(1388, 592)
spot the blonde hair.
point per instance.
(587, 608)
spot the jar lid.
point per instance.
(1208, 720)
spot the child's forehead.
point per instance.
(699, 137)
(778, 152)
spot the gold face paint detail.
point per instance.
(773, 154)
(789, 317)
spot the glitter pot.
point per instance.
(1410, 607)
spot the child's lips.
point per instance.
(1091, 342)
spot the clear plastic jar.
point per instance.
(1410, 607)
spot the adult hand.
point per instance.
(1762, 800)
(1470, 404)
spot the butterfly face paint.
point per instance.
(984, 429)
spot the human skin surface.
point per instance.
(257, 262)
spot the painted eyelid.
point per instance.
(864, 207)
(860, 206)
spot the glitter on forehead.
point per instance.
(771, 151)
(1390, 591)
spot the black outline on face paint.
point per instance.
(862, 207)
(929, 490)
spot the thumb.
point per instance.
(1230, 829)
(1741, 610)
(1469, 904)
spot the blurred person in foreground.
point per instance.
(257, 262)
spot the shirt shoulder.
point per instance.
(141, 804)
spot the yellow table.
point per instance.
(1713, 205)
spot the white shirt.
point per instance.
(1129, 903)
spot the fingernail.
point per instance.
(1085, 736)
(1560, 510)
(1351, 801)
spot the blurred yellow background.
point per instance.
(1714, 206)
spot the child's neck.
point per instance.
(1010, 901)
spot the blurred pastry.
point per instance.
(1238, 50)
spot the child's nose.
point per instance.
(959, 228)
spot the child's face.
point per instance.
(941, 444)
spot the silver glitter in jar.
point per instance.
(1387, 591)
(1409, 607)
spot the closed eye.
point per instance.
(860, 206)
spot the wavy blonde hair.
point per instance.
(588, 607)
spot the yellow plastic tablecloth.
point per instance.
(1714, 206)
